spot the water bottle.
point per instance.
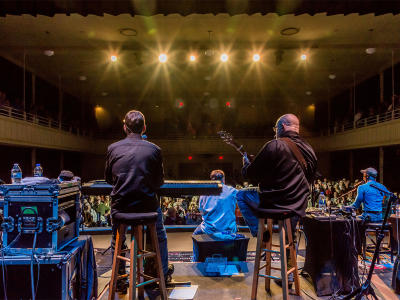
(38, 171)
(322, 202)
(16, 174)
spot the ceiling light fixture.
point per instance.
(113, 58)
(48, 52)
(370, 50)
(82, 78)
(128, 32)
(303, 57)
(192, 58)
(290, 31)
(162, 58)
(331, 76)
(256, 57)
(104, 94)
(224, 57)
(308, 93)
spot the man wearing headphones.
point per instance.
(370, 197)
(218, 212)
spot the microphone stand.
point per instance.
(366, 288)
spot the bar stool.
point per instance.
(137, 254)
(284, 226)
(374, 229)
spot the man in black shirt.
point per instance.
(282, 179)
(134, 168)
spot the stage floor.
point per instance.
(235, 287)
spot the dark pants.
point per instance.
(162, 242)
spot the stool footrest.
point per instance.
(148, 282)
(291, 270)
(123, 258)
(150, 254)
(275, 268)
(146, 276)
(269, 276)
(271, 251)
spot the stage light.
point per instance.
(256, 57)
(190, 157)
(228, 104)
(331, 76)
(192, 58)
(113, 58)
(303, 57)
(48, 52)
(224, 57)
(162, 58)
(221, 157)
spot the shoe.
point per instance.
(122, 286)
(168, 275)
(290, 281)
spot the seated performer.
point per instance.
(370, 197)
(134, 168)
(283, 177)
(218, 212)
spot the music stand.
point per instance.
(366, 289)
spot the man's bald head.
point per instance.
(287, 122)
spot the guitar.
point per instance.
(228, 138)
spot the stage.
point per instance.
(235, 287)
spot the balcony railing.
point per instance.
(18, 114)
(364, 122)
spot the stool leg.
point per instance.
(282, 241)
(268, 260)
(261, 228)
(138, 233)
(293, 258)
(154, 240)
(117, 251)
(132, 274)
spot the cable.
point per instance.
(32, 276)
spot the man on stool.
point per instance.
(371, 198)
(218, 212)
(134, 168)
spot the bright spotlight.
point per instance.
(303, 57)
(256, 57)
(113, 58)
(192, 58)
(162, 58)
(224, 57)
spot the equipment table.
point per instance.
(332, 266)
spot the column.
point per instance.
(60, 102)
(351, 165)
(381, 157)
(33, 158)
(381, 87)
(61, 160)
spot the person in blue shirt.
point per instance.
(370, 197)
(218, 212)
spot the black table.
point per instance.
(333, 266)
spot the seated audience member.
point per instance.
(65, 175)
(218, 212)
(173, 218)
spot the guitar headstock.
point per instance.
(226, 136)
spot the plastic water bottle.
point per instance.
(16, 174)
(38, 171)
(322, 202)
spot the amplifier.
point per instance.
(50, 210)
